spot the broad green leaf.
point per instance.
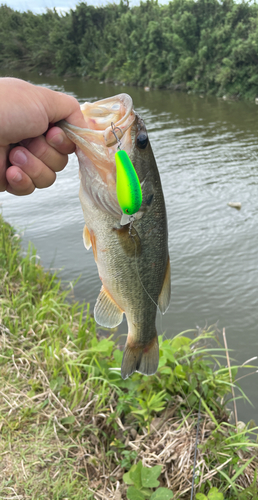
(146, 492)
(162, 494)
(134, 494)
(94, 342)
(162, 361)
(56, 383)
(118, 355)
(135, 474)
(179, 342)
(165, 370)
(214, 494)
(166, 351)
(179, 372)
(103, 346)
(200, 496)
(234, 370)
(149, 476)
(127, 478)
(137, 412)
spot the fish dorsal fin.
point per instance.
(106, 311)
(86, 238)
(164, 296)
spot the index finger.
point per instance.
(63, 106)
(56, 138)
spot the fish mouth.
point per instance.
(97, 135)
(96, 145)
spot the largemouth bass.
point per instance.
(132, 258)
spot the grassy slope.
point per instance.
(70, 427)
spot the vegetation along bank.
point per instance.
(72, 428)
(203, 46)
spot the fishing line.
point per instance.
(195, 449)
(138, 274)
(132, 236)
(146, 291)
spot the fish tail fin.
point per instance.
(142, 359)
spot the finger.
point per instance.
(41, 175)
(3, 167)
(19, 183)
(56, 138)
(66, 106)
(40, 149)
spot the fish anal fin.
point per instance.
(86, 238)
(129, 240)
(106, 311)
(139, 358)
(164, 296)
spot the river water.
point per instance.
(207, 153)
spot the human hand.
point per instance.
(27, 112)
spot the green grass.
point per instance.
(71, 427)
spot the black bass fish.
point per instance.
(132, 258)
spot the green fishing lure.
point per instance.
(128, 187)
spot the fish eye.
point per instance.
(142, 140)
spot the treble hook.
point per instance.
(114, 128)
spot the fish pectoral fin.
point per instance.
(129, 240)
(139, 358)
(164, 296)
(106, 311)
(86, 238)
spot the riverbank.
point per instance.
(208, 49)
(15, 69)
(71, 427)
